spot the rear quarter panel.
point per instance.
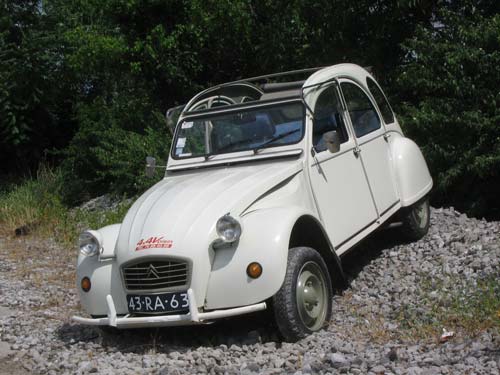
(412, 176)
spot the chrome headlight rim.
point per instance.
(228, 229)
(89, 243)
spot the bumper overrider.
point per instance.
(193, 317)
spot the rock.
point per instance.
(393, 355)
(174, 355)
(103, 202)
(26, 229)
(379, 369)
(4, 350)
(252, 366)
(433, 370)
(338, 360)
(5, 311)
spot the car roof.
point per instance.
(340, 70)
(257, 89)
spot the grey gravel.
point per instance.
(4, 350)
(103, 202)
(393, 287)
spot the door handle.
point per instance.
(387, 136)
(356, 151)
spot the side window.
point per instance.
(363, 115)
(382, 102)
(328, 117)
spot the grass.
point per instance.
(465, 308)
(461, 306)
(35, 204)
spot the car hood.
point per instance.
(185, 206)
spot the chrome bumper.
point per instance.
(193, 317)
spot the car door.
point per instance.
(338, 182)
(373, 149)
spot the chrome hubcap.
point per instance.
(312, 296)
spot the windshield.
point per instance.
(251, 129)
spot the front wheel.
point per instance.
(304, 302)
(416, 220)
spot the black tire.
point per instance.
(306, 278)
(416, 220)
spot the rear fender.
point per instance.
(413, 179)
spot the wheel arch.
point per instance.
(413, 179)
(308, 231)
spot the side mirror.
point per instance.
(150, 166)
(332, 141)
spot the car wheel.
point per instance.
(416, 220)
(304, 302)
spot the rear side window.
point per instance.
(363, 115)
(382, 102)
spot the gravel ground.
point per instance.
(388, 320)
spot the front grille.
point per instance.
(155, 275)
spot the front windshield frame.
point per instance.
(219, 111)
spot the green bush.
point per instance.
(105, 156)
(450, 104)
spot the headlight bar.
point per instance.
(90, 243)
(228, 228)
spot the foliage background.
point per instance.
(84, 84)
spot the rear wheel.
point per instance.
(304, 302)
(416, 220)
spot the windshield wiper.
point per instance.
(240, 142)
(249, 140)
(274, 139)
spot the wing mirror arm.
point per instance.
(151, 166)
(332, 141)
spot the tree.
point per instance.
(450, 104)
(35, 103)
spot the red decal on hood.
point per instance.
(153, 243)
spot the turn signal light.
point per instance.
(85, 284)
(254, 270)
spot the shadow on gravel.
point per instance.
(368, 250)
(243, 330)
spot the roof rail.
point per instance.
(275, 75)
(248, 80)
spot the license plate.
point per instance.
(158, 303)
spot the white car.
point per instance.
(266, 186)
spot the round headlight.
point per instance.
(228, 228)
(89, 244)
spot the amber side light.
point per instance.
(254, 270)
(85, 283)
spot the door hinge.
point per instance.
(387, 136)
(356, 151)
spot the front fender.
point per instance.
(104, 276)
(412, 175)
(109, 235)
(265, 239)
